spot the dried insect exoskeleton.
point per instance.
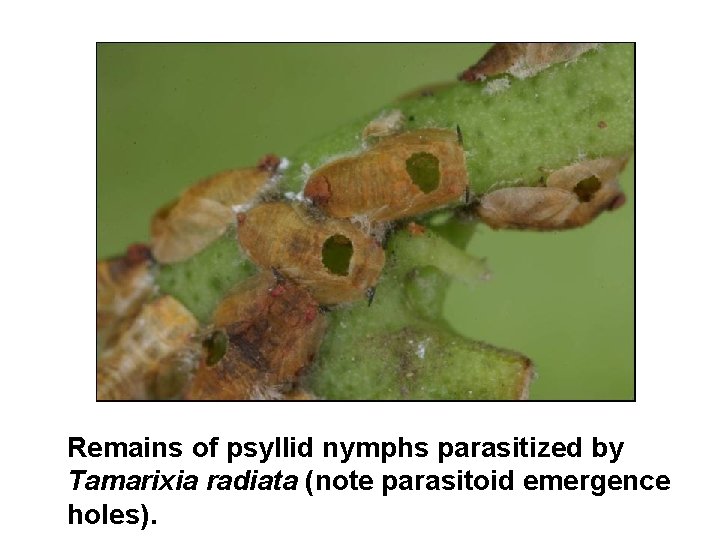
(388, 123)
(169, 378)
(158, 338)
(122, 284)
(203, 212)
(523, 59)
(573, 196)
(332, 258)
(266, 332)
(402, 175)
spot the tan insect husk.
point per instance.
(273, 331)
(376, 183)
(527, 208)
(560, 204)
(158, 337)
(122, 285)
(204, 211)
(523, 59)
(388, 123)
(606, 169)
(284, 236)
(169, 378)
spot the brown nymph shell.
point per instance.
(334, 260)
(122, 285)
(402, 175)
(266, 332)
(523, 59)
(572, 196)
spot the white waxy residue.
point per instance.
(497, 86)
(421, 346)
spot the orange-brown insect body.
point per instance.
(388, 181)
(122, 285)
(158, 336)
(204, 211)
(284, 236)
(269, 340)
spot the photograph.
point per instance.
(365, 221)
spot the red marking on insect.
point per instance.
(310, 314)
(269, 163)
(415, 229)
(277, 290)
(617, 202)
(138, 253)
(318, 191)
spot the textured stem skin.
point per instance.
(417, 362)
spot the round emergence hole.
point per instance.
(585, 189)
(336, 254)
(424, 170)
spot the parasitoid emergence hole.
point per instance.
(216, 346)
(424, 170)
(585, 189)
(336, 254)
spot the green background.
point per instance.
(170, 114)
